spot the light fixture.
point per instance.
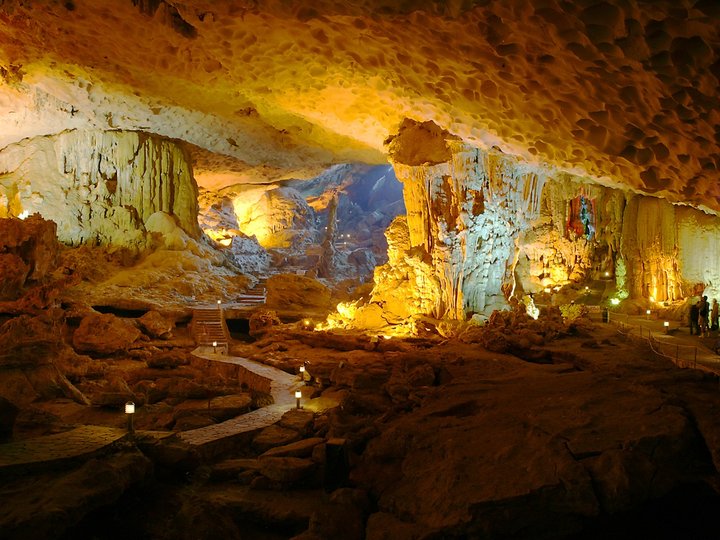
(647, 312)
(298, 395)
(607, 274)
(587, 288)
(302, 369)
(214, 346)
(666, 324)
(615, 301)
(130, 411)
(219, 303)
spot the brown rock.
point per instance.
(155, 325)
(168, 359)
(226, 407)
(13, 272)
(104, 333)
(290, 291)
(273, 436)
(261, 321)
(231, 468)
(286, 469)
(303, 448)
(297, 420)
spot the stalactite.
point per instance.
(102, 186)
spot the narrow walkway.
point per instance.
(676, 343)
(282, 388)
(83, 441)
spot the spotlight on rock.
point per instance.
(130, 411)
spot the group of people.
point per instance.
(704, 317)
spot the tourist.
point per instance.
(714, 315)
(704, 311)
(694, 314)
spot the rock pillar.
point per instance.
(465, 209)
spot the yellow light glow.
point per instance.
(652, 298)
(220, 236)
(24, 214)
(615, 301)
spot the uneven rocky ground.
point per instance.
(587, 434)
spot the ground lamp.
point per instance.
(130, 411)
(666, 324)
(214, 346)
(647, 312)
(219, 303)
(298, 395)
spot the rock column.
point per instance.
(465, 213)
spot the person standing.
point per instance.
(704, 312)
(714, 315)
(694, 315)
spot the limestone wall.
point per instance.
(100, 187)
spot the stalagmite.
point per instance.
(465, 213)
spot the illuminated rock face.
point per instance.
(465, 214)
(623, 91)
(99, 186)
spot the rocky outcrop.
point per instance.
(291, 291)
(100, 187)
(104, 333)
(28, 253)
(35, 360)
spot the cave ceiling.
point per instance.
(620, 91)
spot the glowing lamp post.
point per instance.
(130, 411)
(666, 325)
(298, 395)
(302, 372)
(647, 313)
(607, 274)
(219, 304)
(214, 346)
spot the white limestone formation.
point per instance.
(100, 187)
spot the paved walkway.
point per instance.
(83, 441)
(282, 388)
(677, 344)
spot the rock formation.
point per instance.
(100, 187)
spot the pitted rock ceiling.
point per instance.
(620, 91)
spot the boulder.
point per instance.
(303, 448)
(226, 407)
(297, 420)
(261, 321)
(273, 436)
(104, 333)
(13, 272)
(168, 359)
(155, 325)
(293, 292)
(286, 469)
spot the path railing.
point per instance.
(683, 356)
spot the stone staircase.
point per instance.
(252, 297)
(208, 326)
